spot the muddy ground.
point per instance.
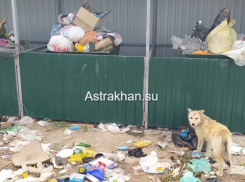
(106, 142)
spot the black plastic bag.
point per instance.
(213, 180)
(181, 142)
(199, 31)
(223, 14)
(136, 153)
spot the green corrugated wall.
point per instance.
(8, 96)
(215, 85)
(55, 85)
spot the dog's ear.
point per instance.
(189, 110)
(201, 111)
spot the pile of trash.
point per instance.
(36, 160)
(220, 39)
(79, 32)
(7, 42)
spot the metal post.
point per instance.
(147, 60)
(154, 27)
(17, 63)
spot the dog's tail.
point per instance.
(226, 149)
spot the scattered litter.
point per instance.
(149, 164)
(29, 135)
(77, 177)
(24, 175)
(75, 128)
(5, 174)
(142, 143)
(65, 153)
(39, 170)
(113, 128)
(195, 154)
(130, 141)
(68, 132)
(109, 164)
(122, 148)
(55, 165)
(55, 147)
(43, 123)
(213, 180)
(80, 144)
(182, 142)
(59, 125)
(236, 149)
(6, 125)
(30, 155)
(6, 156)
(26, 120)
(3, 148)
(177, 152)
(136, 153)
(63, 171)
(162, 145)
(59, 161)
(11, 130)
(200, 165)
(135, 131)
(188, 177)
(211, 160)
(120, 156)
(17, 145)
(117, 175)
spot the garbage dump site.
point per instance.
(45, 150)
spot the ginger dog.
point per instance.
(217, 136)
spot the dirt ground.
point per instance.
(106, 142)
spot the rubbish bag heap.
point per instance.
(79, 32)
(220, 39)
(186, 137)
(7, 42)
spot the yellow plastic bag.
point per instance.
(142, 143)
(222, 37)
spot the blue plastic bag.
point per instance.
(200, 165)
(185, 134)
(188, 177)
(56, 29)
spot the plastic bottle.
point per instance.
(122, 148)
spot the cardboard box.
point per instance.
(86, 20)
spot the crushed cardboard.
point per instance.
(30, 155)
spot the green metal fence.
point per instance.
(55, 86)
(215, 85)
(8, 95)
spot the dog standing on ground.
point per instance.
(217, 136)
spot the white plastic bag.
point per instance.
(176, 41)
(238, 53)
(150, 164)
(26, 120)
(29, 135)
(72, 32)
(238, 45)
(58, 43)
